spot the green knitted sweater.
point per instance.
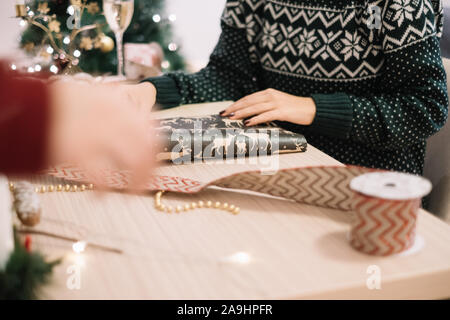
(375, 73)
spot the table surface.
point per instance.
(273, 249)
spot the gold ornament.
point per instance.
(93, 8)
(43, 8)
(44, 54)
(29, 46)
(21, 10)
(105, 43)
(194, 205)
(86, 43)
(54, 26)
(76, 3)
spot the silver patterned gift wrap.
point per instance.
(215, 137)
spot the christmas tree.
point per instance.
(94, 46)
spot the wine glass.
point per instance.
(118, 14)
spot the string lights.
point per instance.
(60, 54)
(60, 46)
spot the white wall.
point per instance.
(9, 27)
(196, 29)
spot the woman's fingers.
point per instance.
(252, 110)
(254, 98)
(269, 116)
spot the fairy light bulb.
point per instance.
(156, 18)
(37, 68)
(172, 17)
(77, 53)
(79, 246)
(22, 23)
(165, 64)
(54, 69)
(66, 40)
(50, 50)
(71, 10)
(239, 258)
(13, 67)
(172, 46)
(30, 69)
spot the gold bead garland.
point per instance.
(158, 204)
(59, 188)
(26, 199)
(193, 205)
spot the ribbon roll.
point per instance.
(386, 206)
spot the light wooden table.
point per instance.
(273, 249)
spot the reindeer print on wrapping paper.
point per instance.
(214, 137)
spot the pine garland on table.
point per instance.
(24, 273)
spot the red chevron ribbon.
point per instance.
(320, 186)
(383, 227)
(326, 187)
(380, 227)
(119, 179)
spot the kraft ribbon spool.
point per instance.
(386, 206)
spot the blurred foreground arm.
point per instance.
(87, 125)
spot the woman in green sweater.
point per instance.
(362, 79)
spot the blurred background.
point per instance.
(445, 43)
(195, 30)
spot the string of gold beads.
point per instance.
(59, 188)
(194, 205)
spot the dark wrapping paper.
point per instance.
(215, 137)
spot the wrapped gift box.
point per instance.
(143, 60)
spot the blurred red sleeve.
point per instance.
(24, 122)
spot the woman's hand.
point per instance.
(270, 105)
(98, 127)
